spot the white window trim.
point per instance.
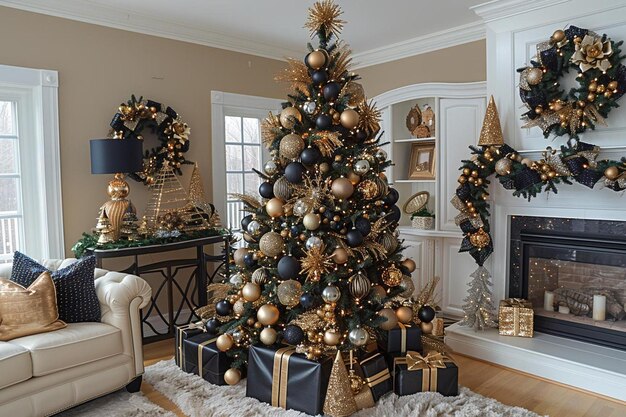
(224, 104)
(43, 214)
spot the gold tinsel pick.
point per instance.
(339, 398)
(297, 74)
(324, 15)
(491, 132)
(427, 294)
(342, 60)
(316, 263)
(327, 142)
(369, 119)
(270, 128)
(249, 201)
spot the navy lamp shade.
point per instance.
(112, 156)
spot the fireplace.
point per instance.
(574, 272)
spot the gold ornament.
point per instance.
(593, 52)
(353, 177)
(612, 173)
(311, 221)
(317, 59)
(491, 132)
(356, 93)
(224, 342)
(251, 291)
(378, 292)
(232, 376)
(359, 285)
(324, 15)
(612, 85)
(268, 336)
(392, 319)
(274, 207)
(238, 256)
(289, 293)
(409, 264)
(392, 276)
(239, 307)
(368, 189)
(260, 276)
(504, 166)
(427, 328)
(389, 242)
(404, 314)
(267, 314)
(289, 116)
(480, 239)
(527, 161)
(558, 35)
(339, 398)
(340, 256)
(349, 119)
(316, 263)
(342, 188)
(534, 76)
(271, 244)
(332, 337)
(282, 189)
(291, 146)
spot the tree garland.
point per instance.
(171, 131)
(574, 163)
(601, 78)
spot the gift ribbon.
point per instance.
(280, 376)
(517, 304)
(428, 364)
(179, 349)
(200, 347)
(402, 337)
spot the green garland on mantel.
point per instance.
(89, 242)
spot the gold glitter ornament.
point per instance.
(289, 116)
(339, 398)
(356, 93)
(289, 292)
(271, 244)
(491, 131)
(480, 239)
(504, 166)
(392, 276)
(291, 146)
(282, 189)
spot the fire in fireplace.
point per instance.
(576, 280)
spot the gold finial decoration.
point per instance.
(491, 132)
(324, 15)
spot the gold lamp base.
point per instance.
(118, 189)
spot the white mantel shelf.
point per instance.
(582, 365)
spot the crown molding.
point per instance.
(501, 9)
(421, 45)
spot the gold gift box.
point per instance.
(515, 317)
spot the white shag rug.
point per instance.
(118, 404)
(197, 398)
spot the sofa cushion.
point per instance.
(15, 364)
(77, 344)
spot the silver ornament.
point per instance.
(408, 286)
(504, 166)
(236, 280)
(301, 208)
(331, 294)
(254, 227)
(309, 107)
(361, 167)
(237, 336)
(381, 155)
(270, 168)
(358, 337)
(313, 242)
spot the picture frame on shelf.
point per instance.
(422, 161)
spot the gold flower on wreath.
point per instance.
(593, 52)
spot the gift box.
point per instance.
(184, 332)
(202, 357)
(402, 339)
(373, 368)
(515, 317)
(283, 378)
(413, 373)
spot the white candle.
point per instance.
(599, 307)
(564, 309)
(548, 301)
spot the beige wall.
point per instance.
(101, 67)
(458, 64)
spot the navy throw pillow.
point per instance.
(76, 292)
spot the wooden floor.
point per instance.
(505, 385)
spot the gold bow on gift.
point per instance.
(516, 302)
(415, 361)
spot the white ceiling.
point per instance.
(377, 30)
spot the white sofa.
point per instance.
(44, 374)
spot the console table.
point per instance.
(193, 296)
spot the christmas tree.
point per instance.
(479, 307)
(322, 255)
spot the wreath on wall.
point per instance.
(171, 131)
(601, 82)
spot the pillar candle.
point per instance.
(548, 301)
(599, 307)
(563, 309)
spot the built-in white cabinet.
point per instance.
(459, 111)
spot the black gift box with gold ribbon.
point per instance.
(279, 376)
(413, 373)
(182, 333)
(203, 358)
(373, 368)
(402, 339)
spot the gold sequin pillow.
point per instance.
(27, 311)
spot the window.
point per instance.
(237, 149)
(30, 182)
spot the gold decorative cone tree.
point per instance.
(322, 255)
(491, 132)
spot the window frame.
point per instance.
(36, 94)
(235, 105)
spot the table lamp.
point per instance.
(116, 156)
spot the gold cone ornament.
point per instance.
(339, 398)
(491, 132)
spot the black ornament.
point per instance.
(306, 300)
(363, 225)
(361, 135)
(266, 190)
(392, 197)
(394, 214)
(295, 231)
(323, 122)
(354, 238)
(426, 314)
(310, 156)
(212, 326)
(249, 260)
(293, 334)
(319, 77)
(246, 221)
(294, 172)
(331, 91)
(288, 267)
(223, 308)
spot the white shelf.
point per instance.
(409, 230)
(416, 181)
(411, 140)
